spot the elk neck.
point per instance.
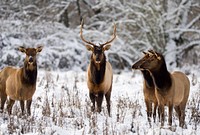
(147, 78)
(29, 76)
(162, 78)
(97, 70)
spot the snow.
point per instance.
(61, 105)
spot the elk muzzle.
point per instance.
(30, 60)
(98, 60)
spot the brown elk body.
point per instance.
(171, 89)
(99, 73)
(149, 93)
(20, 84)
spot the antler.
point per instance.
(81, 31)
(114, 36)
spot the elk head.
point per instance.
(139, 62)
(30, 60)
(98, 51)
(151, 61)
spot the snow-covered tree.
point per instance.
(168, 26)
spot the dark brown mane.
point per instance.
(161, 76)
(97, 75)
(29, 76)
(147, 78)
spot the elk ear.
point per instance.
(90, 47)
(106, 47)
(144, 53)
(39, 49)
(157, 55)
(159, 58)
(22, 49)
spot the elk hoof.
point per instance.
(92, 108)
(99, 110)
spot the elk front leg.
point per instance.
(162, 114)
(92, 98)
(99, 101)
(10, 105)
(149, 110)
(28, 106)
(154, 111)
(170, 114)
(3, 100)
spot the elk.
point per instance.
(99, 72)
(171, 89)
(20, 83)
(149, 92)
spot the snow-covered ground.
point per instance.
(61, 106)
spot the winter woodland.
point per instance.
(171, 27)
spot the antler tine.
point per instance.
(81, 35)
(114, 36)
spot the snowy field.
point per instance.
(61, 106)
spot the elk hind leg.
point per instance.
(182, 116)
(107, 95)
(182, 119)
(178, 111)
(22, 106)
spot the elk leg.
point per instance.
(92, 98)
(159, 114)
(182, 116)
(28, 106)
(22, 106)
(154, 111)
(178, 111)
(182, 122)
(99, 101)
(107, 95)
(149, 110)
(3, 100)
(162, 115)
(170, 110)
(10, 105)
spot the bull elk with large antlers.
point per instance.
(20, 84)
(99, 72)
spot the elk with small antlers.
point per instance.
(171, 89)
(20, 84)
(99, 72)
